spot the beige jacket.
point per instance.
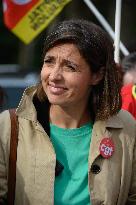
(111, 181)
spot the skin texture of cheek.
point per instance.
(43, 74)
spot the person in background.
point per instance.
(129, 69)
(2, 98)
(75, 145)
(128, 91)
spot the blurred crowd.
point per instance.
(128, 91)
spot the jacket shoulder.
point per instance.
(126, 116)
(128, 121)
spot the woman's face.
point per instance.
(66, 77)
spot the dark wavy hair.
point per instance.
(97, 49)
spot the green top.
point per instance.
(72, 150)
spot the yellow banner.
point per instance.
(38, 18)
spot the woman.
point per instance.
(75, 145)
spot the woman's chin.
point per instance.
(55, 101)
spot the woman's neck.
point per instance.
(68, 118)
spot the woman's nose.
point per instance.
(56, 74)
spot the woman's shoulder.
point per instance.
(124, 121)
(128, 122)
(127, 118)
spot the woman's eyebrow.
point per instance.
(48, 57)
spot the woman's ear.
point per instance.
(97, 77)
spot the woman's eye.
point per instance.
(47, 61)
(72, 68)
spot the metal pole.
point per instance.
(105, 24)
(117, 30)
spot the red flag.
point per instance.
(27, 18)
(14, 10)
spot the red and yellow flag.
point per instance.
(27, 18)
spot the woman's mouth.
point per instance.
(56, 89)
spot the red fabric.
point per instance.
(128, 100)
(13, 11)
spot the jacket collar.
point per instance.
(34, 111)
(26, 108)
(115, 121)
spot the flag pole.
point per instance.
(105, 24)
(117, 30)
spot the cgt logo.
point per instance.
(21, 2)
(106, 147)
(106, 150)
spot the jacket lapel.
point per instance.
(97, 135)
(102, 129)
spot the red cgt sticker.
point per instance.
(106, 147)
